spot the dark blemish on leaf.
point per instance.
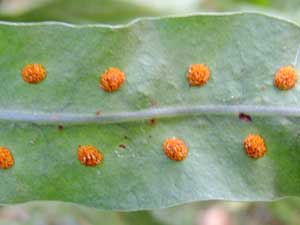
(122, 146)
(60, 127)
(245, 117)
(150, 136)
(152, 122)
(125, 137)
(98, 113)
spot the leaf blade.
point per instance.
(155, 55)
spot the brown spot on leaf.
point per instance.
(152, 122)
(98, 113)
(60, 127)
(245, 117)
(122, 146)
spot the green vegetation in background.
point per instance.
(228, 5)
(288, 9)
(78, 11)
(122, 11)
(68, 214)
(282, 212)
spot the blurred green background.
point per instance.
(122, 11)
(205, 213)
(283, 212)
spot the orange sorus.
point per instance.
(6, 158)
(33, 73)
(89, 155)
(198, 75)
(285, 78)
(254, 146)
(175, 149)
(112, 79)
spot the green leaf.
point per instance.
(243, 51)
(101, 11)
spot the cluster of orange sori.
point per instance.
(174, 148)
(198, 75)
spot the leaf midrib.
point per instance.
(162, 112)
